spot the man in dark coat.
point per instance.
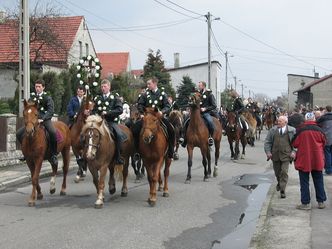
(154, 97)
(109, 106)
(45, 106)
(325, 122)
(309, 141)
(238, 108)
(75, 104)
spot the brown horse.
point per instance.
(99, 151)
(153, 147)
(176, 119)
(268, 117)
(252, 122)
(197, 136)
(75, 131)
(235, 134)
(35, 150)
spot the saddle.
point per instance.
(59, 137)
(120, 134)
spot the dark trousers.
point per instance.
(281, 172)
(328, 159)
(116, 132)
(317, 178)
(136, 129)
(51, 131)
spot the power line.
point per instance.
(193, 12)
(272, 47)
(166, 6)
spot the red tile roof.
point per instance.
(64, 27)
(113, 63)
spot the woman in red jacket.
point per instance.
(309, 141)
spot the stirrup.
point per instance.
(181, 140)
(210, 140)
(137, 157)
(54, 160)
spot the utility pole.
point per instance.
(208, 19)
(226, 69)
(241, 90)
(249, 94)
(24, 63)
(235, 83)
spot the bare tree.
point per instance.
(42, 34)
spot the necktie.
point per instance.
(280, 131)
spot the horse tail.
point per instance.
(118, 168)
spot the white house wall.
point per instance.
(7, 83)
(199, 73)
(322, 93)
(82, 35)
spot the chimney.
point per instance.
(2, 16)
(176, 60)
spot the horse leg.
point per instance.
(153, 175)
(208, 157)
(65, 160)
(190, 163)
(166, 174)
(124, 190)
(134, 165)
(101, 185)
(52, 182)
(204, 153)
(160, 182)
(111, 182)
(35, 167)
(231, 148)
(216, 157)
(243, 143)
(237, 149)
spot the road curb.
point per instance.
(261, 226)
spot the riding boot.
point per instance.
(136, 129)
(118, 159)
(184, 138)
(53, 147)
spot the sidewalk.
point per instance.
(17, 174)
(282, 226)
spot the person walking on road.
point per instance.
(309, 141)
(278, 148)
(325, 122)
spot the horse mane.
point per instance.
(153, 111)
(93, 121)
(175, 117)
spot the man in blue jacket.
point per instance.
(75, 104)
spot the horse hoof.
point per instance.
(52, 191)
(77, 179)
(137, 181)
(112, 190)
(99, 206)
(31, 203)
(40, 196)
(242, 156)
(206, 179)
(160, 188)
(62, 193)
(215, 173)
(165, 194)
(188, 181)
(152, 203)
(124, 194)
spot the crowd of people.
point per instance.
(303, 136)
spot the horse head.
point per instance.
(195, 100)
(92, 132)
(151, 124)
(30, 115)
(231, 121)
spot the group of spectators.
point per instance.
(309, 145)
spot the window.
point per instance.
(86, 49)
(81, 52)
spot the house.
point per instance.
(315, 93)
(295, 82)
(114, 64)
(198, 72)
(74, 42)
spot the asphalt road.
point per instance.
(220, 213)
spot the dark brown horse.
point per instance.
(197, 136)
(99, 150)
(176, 119)
(76, 144)
(35, 150)
(153, 147)
(235, 134)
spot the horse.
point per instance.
(35, 150)
(235, 134)
(259, 126)
(76, 143)
(153, 148)
(176, 119)
(268, 117)
(136, 164)
(252, 122)
(197, 136)
(99, 152)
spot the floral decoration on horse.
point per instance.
(152, 100)
(39, 100)
(89, 69)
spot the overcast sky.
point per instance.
(265, 39)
